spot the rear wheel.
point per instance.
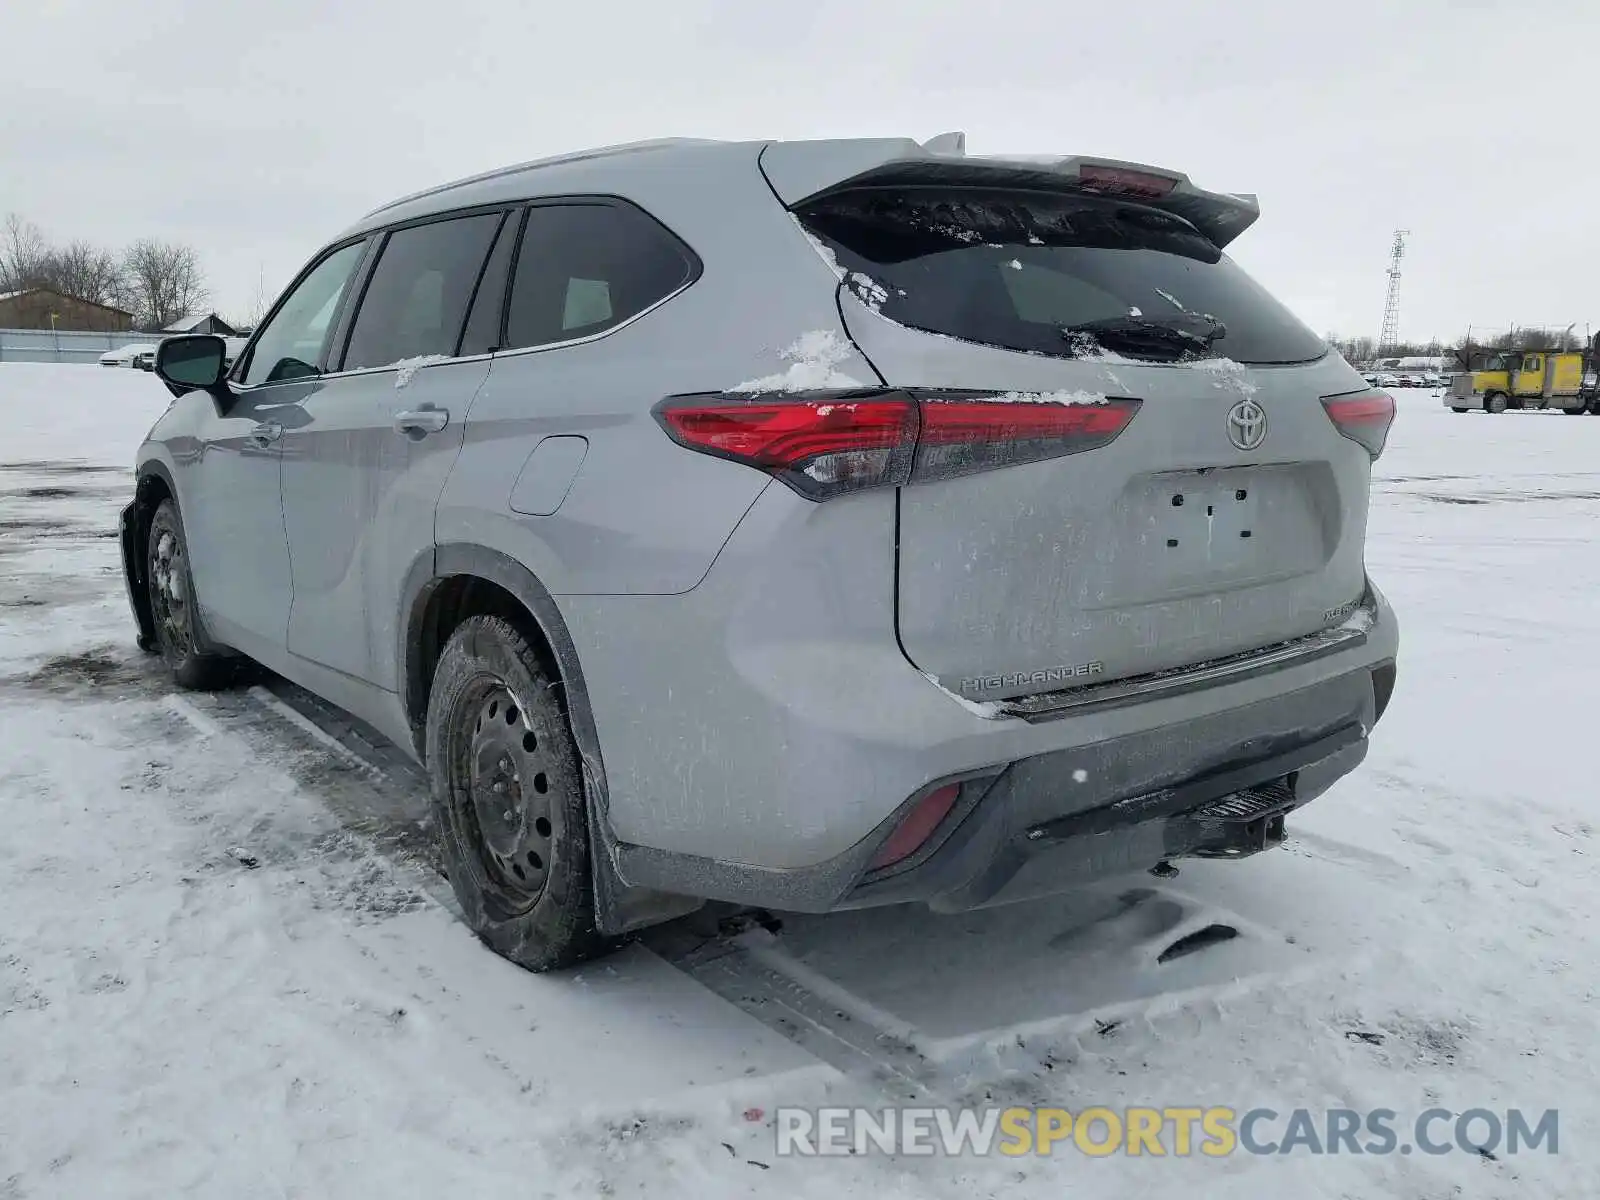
(172, 605)
(508, 799)
(1575, 412)
(1494, 402)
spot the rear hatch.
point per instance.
(1228, 515)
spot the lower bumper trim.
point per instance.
(1217, 793)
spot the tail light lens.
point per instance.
(1362, 417)
(827, 443)
(821, 445)
(963, 434)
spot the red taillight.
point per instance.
(1362, 417)
(820, 446)
(823, 444)
(916, 827)
(1122, 182)
(961, 436)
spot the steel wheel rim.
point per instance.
(502, 795)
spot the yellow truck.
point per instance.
(1527, 379)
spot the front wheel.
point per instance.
(172, 605)
(1495, 402)
(508, 799)
(1453, 408)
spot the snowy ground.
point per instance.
(227, 967)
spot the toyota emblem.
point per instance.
(1247, 425)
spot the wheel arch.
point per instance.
(460, 580)
(153, 483)
(457, 581)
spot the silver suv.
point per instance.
(801, 524)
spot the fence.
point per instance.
(64, 345)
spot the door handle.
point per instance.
(266, 433)
(427, 420)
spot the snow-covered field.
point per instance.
(227, 967)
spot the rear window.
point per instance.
(1053, 273)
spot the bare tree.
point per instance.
(84, 270)
(260, 301)
(1534, 338)
(23, 253)
(1356, 350)
(163, 281)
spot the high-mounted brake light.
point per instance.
(1119, 181)
(827, 443)
(1362, 417)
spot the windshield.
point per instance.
(1053, 273)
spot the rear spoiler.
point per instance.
(803, 171)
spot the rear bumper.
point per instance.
(1024, 839)
(1217, 785)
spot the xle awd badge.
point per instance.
(1247, 425)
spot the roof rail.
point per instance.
(552, 161)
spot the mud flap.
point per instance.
(621, 907)
(130, 531)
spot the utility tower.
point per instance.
(1391, 303)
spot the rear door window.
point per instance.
(1057, 273)
(584, 268)
(416, 300)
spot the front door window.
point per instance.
(291, 342)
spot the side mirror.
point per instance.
(193, 361)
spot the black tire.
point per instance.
(1494, 402)
(1453, 408)
(1575, 412)
(496, 728)
(172, 606)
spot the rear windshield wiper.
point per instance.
(1188, 333)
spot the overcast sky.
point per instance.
(257, 130)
